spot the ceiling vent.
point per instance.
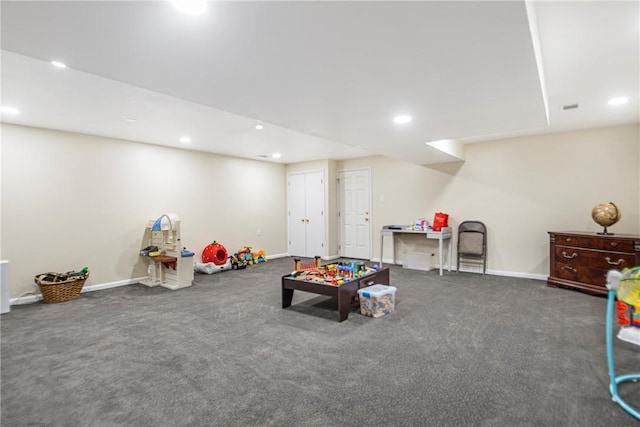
(570, 106)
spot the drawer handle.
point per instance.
(614, 244)
(573, 255)
(369, 283)
(620, 261)
(568, 239)
(567, 268)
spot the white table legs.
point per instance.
(441, 238)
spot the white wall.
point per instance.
(524, 187)
(521, 188)
(71, 200)
(401, 193)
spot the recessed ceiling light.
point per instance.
(185, 140)
(58, 64)
(402, 119)
(619, 100)
(190, 7)
(259, 126)
(276, 155)
(130, 120)
(10, 110)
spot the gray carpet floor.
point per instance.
(460, 350)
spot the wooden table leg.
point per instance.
(287, 296)
(345, 294)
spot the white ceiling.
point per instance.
(325, 77)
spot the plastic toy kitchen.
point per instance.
(169, 264)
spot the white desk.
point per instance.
(441, 236)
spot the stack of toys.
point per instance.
(245, 256)
(238, 262)
(334, 274)
(215, 258)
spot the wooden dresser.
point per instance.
(581, 260)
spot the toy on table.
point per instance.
(333, 274)
(299, 266)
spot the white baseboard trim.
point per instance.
(471, 270)
(25, 300)
(109, 285)
(517, 274)
(326, 258)
(29, 299)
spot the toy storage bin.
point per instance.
(61, 287)
(377, 300)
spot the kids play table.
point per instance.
(344, 293)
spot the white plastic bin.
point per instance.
(419, 260)
(377, 300)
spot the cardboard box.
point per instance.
(419, 260)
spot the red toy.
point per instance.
(215, 253)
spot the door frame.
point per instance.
(339, 207)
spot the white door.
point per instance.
(314, 208)
(306, 214)
(354, 211)
(297, 215)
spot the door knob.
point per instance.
(366, 219)
(302, 220)
(307, 219)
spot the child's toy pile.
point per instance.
(245, 257)
(332, 274)
(216, 259)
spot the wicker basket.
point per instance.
(62, 291)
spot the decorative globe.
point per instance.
(606, 214)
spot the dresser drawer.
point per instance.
(591, 258)
(581, 260)
(591, 275)
(605, 243)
